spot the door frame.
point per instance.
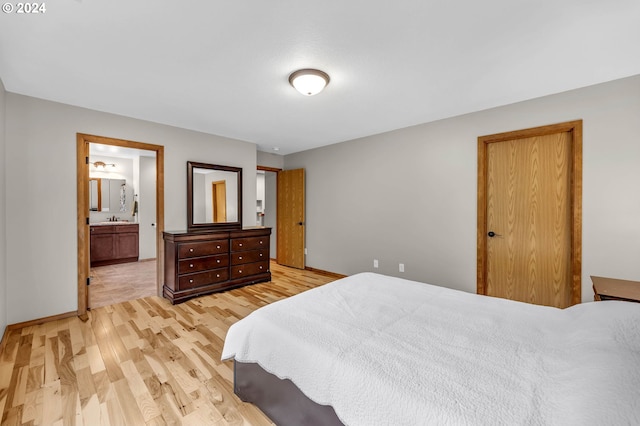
(82, 177)
(575, 129)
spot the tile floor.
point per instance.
(119, 283)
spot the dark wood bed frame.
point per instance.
(280, 400)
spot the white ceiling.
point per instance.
(221, 67)
(98, 149)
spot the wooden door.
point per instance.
(219, 201)
(529, 215)
(290, 222)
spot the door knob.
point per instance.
(300, 223)
(493, 234)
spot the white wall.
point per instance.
(410, 195)
(3, 239)
(267, 159)
(147, 207)
(41, 265)
(199, 203)
(271, 211)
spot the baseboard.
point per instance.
(317, 271)
(325, 273)
(40, 321)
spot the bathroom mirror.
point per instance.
(105, 195)
(214, 197)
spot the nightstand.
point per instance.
(612, 289)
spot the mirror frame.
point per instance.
(191, 226)
(98, 194)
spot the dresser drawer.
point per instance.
(251, 243)
(238, 271)
(241, 257)
(202, 278)
(198, 264)
(206, 248)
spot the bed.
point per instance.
(376, 350)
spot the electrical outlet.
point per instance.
(401, 267)
(375, 263)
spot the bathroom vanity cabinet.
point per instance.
(114, 243)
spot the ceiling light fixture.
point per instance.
(308, 81)
(102, 165)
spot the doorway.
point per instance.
(267, 202)
(280, 206)
(83, 206)
(529, 215)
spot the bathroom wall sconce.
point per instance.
(309, 81)
(101, 165)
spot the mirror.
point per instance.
(105, 195)
(214, 196)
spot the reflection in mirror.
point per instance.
(95, 196)
(214, 196)
(107, 195)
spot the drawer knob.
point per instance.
(260, 241)
(240, 244)
(240, 271)
(261, 267)
(191, 250)
(190, 281)
(217, 275)
(218, 260)
(260, 254)
(217, 246)
(191, 265)
(240, 257)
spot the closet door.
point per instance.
(529, 216)
(291, 217)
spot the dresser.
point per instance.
(614, 289)
(203, 262)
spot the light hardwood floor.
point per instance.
(141, 362)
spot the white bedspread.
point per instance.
(387, 351)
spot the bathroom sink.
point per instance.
(117, 222)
